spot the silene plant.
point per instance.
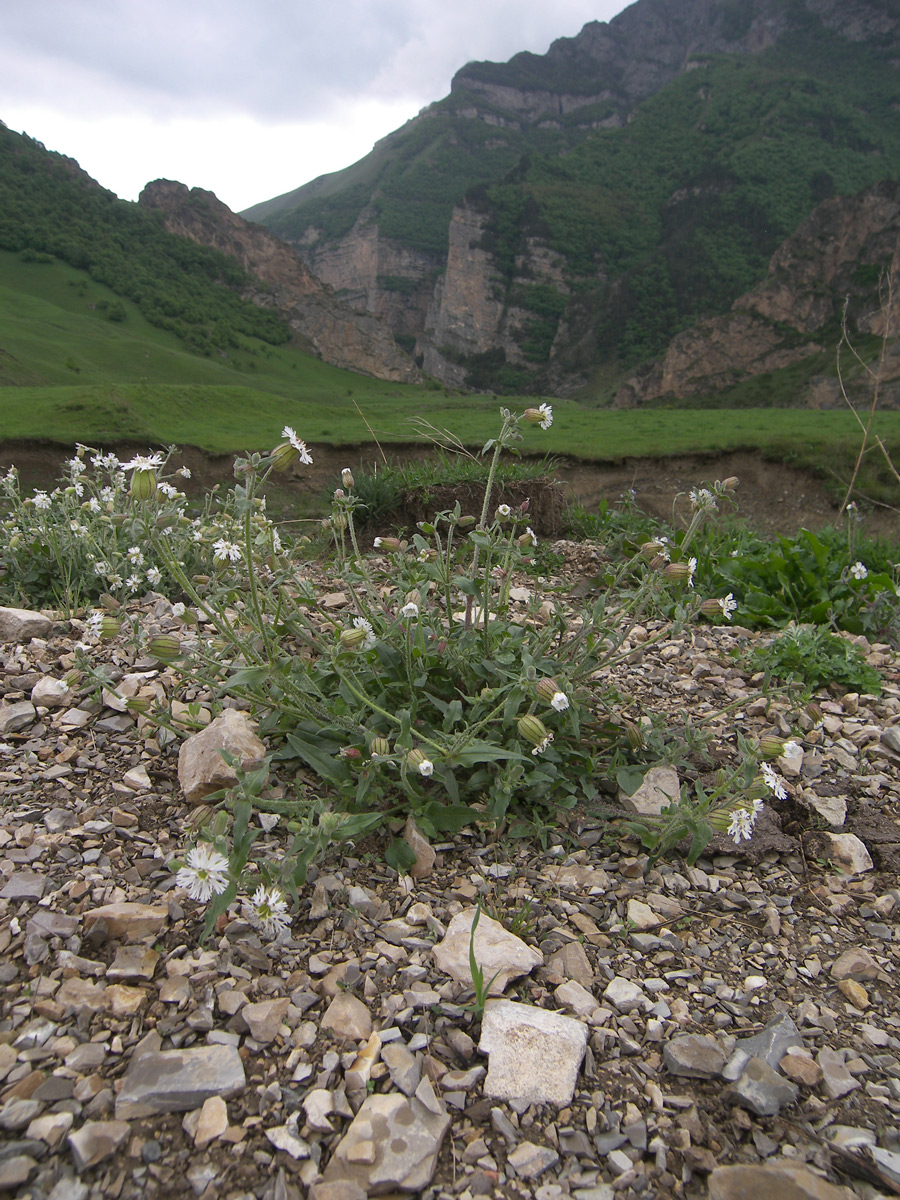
(432, 694)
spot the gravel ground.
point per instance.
(346, 1058)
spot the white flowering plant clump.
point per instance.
(94, 533)
(433, 692)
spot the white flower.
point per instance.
(548, 415)
(727, 604)
(144, 462)
(78, 488)
(94, 505)
(184, 472)
(276, 541)
(773, 781)
(166, 489)
(542, 746)
(426, 767)
(790, 748)
(133, 582)
(205, 873)
(299, 446)
(559, 701)
(114, 579)
(859, 571)
(76, 466)
(702, 498)
(269, 908)
(362, 623)
(178, 609)
(692, 567)
(409, 610)
(225, 551)
(530, 535)
(107, 495)
(42, 500)
(741, 825)
(93, 625)
(154, 576)
(135, 555)
(503, 510)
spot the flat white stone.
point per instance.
(534, 1055)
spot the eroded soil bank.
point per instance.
(772, 497)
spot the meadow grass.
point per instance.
(71, 374)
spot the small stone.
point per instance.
(576, 999)
(659, 789)
(762, 1089)
(347, 1017)
(572, 962)
(421, 848)
(855, 993)
(201, 767)
(847, 853)
(96, 1141)
(285, 1137)
(212, 1121)
(624, 994)
(837, 1079)
(501, 955)
(51, 1128)
(694, 1055)
(856, 963)
(265, 1018)
(392, 1144)
(801, 1069)
(15, 1171)
(128, 920)
(776, 1181)
(640, 916)
(177, 1080)
(132, 963)
(534, 1054)
(404, 1069)
(22, 624)
(318, 1106)
(529, 1160)
(17, 716)
(24, 885)
(137, 779)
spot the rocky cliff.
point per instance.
(337, 333)
(841, 257)
(573, 210)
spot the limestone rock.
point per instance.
(17, 716)
(201, 767)
(761, 1089)
(534, 1055)
(128, 920)
(51, 693)
(96, 1141)
(775, 1181)
(421, 847)
(855, 963)
(659, 789)
(347, 1017)
(265, 1018)
(694, 1055)
(159, 1081)
(500, 954)
(22, 624)
(844, 850)
(392, 1144)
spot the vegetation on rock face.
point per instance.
(50, 209)
(659, 222)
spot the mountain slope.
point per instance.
(582, 207)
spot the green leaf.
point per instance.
(629, 779)
(400, 856)
(335, 770)
(447, 818)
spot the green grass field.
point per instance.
(68, 373)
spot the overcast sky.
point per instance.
(248, 98)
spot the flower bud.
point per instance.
(379, 747)
(547, 688)
(770, 746)
(352, 639)
(532, 729)
(416, 760)
(338, 521)
(389, 544)
(414, 597)
(165, 648)
(652, 548)
(679, 572)
(353, 753)
(284, 457)
(138, 704)
(143, 484)
(503, 513)
(729, 484)
(109, 628)
(347, 477)
(465, 521)
(634, 735)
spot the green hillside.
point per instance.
(660, 222)
(49, 208)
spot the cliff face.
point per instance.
(662, 156)
(836, 257)
(334, 331)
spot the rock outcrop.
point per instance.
(336, 332)
(834, 259)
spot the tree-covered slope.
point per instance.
(49, 206)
